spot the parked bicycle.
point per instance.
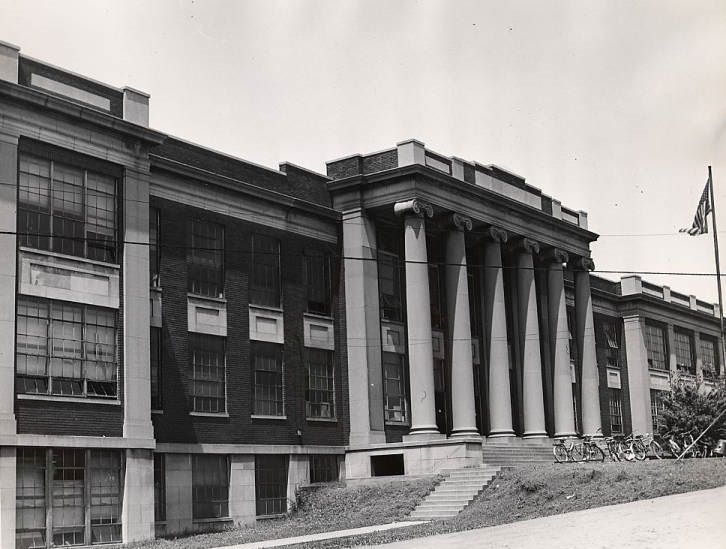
(651, 445)
(630, 448)
(567, 449)
(591, 451)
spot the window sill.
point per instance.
(158, 412)
(259, 416)
(58, 398)
(209, 414)
(207, 298)
(398, 423)
(82, 259)
(322, 419)
(211, 520)
(271, 517)
(266, 308)
(318, 316)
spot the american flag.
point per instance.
(700, 223)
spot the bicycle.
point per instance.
(565, 450)
(591, 451)
(612, 446)
(631, 448)
(652, 447)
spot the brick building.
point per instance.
(186, 338)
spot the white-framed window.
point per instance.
(394, 389)
(65, 349)
(320, 392)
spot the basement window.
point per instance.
(387, 466)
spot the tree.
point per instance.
(691, 407)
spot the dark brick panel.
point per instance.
(378, 162)
(175, 424)
(42, 417)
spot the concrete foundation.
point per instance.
(137, 518)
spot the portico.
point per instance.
(496, 233)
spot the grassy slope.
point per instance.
(321, 509)
(552, 489)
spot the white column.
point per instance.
(559, 345)
(8, 216)
(533, 397)
(457, 302)
(418, 319)
(137, 516)
(636, 356)
(362, 318)
(495, 334)
(137, 395)
(591, 422)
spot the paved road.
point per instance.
(694, 519)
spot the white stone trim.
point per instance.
(155, 307)
(206, 316)
(613, 378)
(55, 276)
(319, 332)
(393, 337)
(267, 324)
(191, 448)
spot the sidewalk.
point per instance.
(324, 535)
(692, 519)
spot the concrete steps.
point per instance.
(454, 493)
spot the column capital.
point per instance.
(582, 263)
(460, 222)
(415, 207)
(497, 234)
(555, 255)
(526, 245)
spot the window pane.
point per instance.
(155, 368)
(207, 389)
(320, 394)
(709, 358)
(265, 271)
(271, 484)
(206, 254)
(105, 481)
(210, 486)
(30, 506)
(655, 345)
(159, 487)
(317, 277)
(268, 379)
(389, 280)
(684, 353)
(616, 416)
(68, 496)
(394, 389)
(154, 262)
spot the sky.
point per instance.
(613, 107)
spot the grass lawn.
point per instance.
(321, 509)
(544, 490)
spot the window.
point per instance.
(394, 385)
(317, 280)
(84, 487)
(65, 349)
(656, 407)
(709, 358)
(154, 255)
(655, 345)
(609, 342)
(389, 286)
(207, 388)
(105, 493)
(572, 328)
(210, 486)
(323, 468)
(616, 414)
(268, 379)
(265, 283)
(271, 484)
(206, 259)
(30, 506)
(66, 209)
(684, 352)
(155, 368)
(159, 487)
(320, 393)
(438, 315)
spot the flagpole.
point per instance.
(718, 265)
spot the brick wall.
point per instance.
(175, 424)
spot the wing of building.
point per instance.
(186, 338)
